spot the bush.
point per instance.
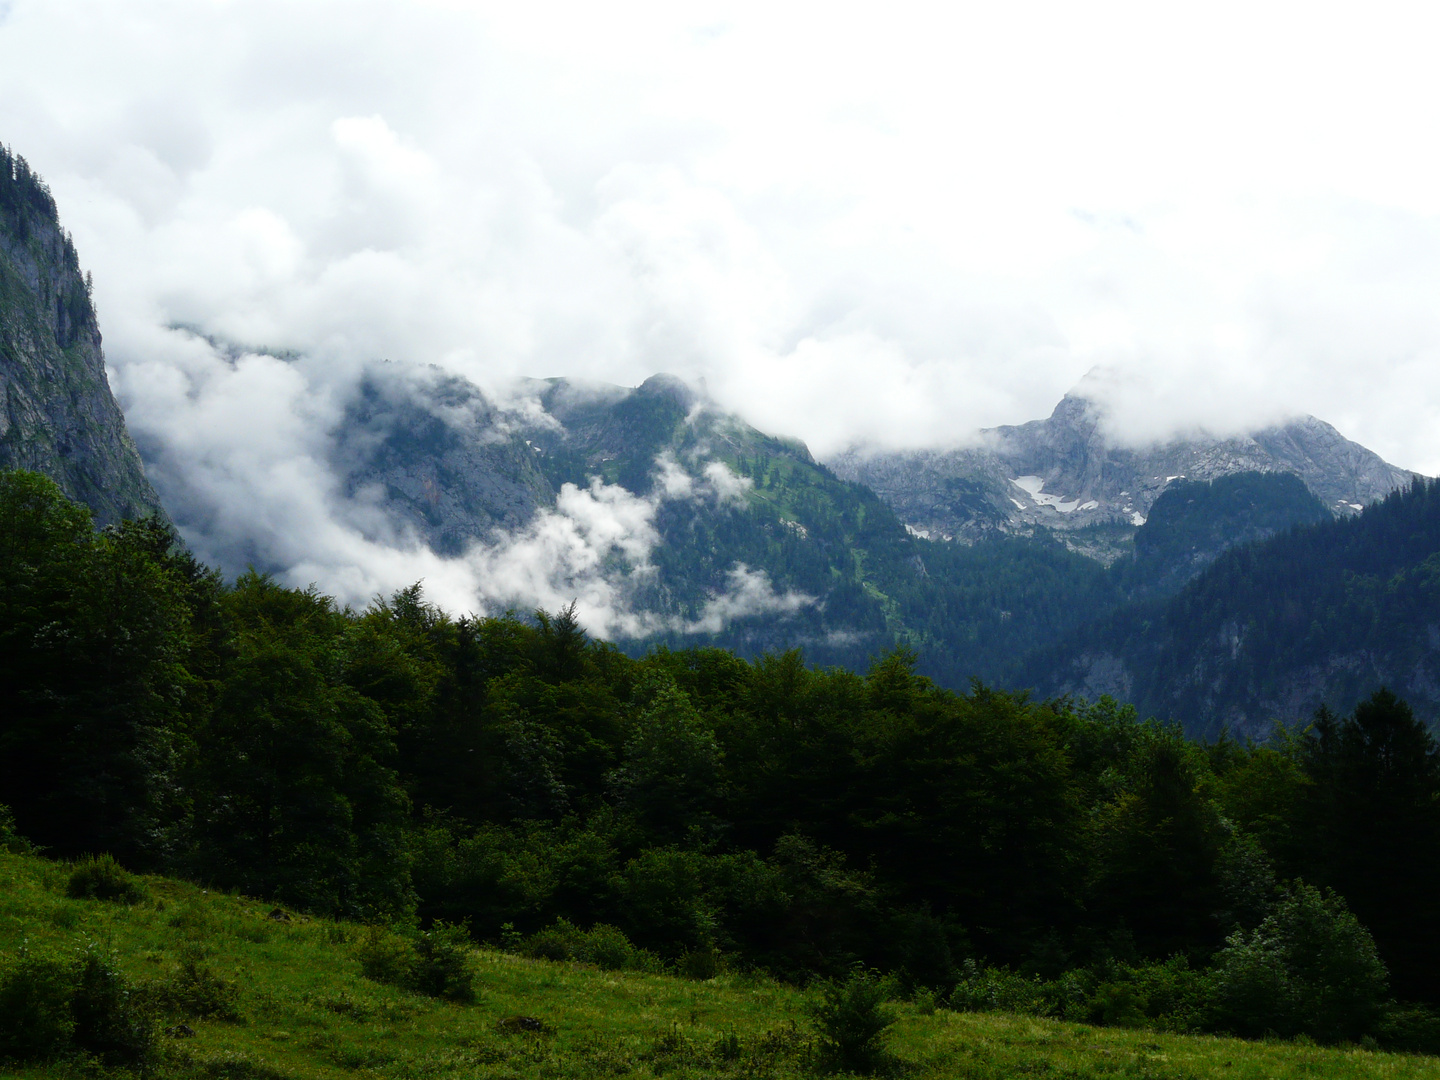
(1310, 968)
(1414, 1029)
(603, 945)
(435, 963)
(852, 1020)
(35, 1017)
(10, 839)
(384, 956)
(699, 964)
(100, 877)
(999, 989)
(441, 963)
(606, 947)
(107, 1023)
(51, 1007)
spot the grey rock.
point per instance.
(1064, 474)
(434, 457)
(57, 414)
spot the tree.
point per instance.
(1373, 816)
(297, 796)
(1309, 967)
(94, 640)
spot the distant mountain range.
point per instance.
(1221, 582)
(1062, 473)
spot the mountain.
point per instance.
(1064, 474)
(753, 545)
(1319, 615)
(58, 415)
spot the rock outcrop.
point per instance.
(57, 414)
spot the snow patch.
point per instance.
(1137, 519)
(1034, 486)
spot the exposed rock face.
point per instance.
(1062, 473)
(57, 414)
(430, 453)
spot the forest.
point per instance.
(694, 810)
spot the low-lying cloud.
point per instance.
(241, 446)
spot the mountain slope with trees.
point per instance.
(1319, 615)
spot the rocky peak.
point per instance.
(1063, 474)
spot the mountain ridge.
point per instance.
(1063, 473)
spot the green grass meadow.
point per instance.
(303, 1009)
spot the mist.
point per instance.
(851, 228)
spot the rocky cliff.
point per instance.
(57, 414)
(1064, 474)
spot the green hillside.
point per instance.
(271, 995)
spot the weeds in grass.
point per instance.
(195, 991)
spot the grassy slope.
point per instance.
(309, 1013)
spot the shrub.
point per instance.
(998, 989)
(435, 962)
(1411, 1028)
(10, 839)
(852, 1020)
(441, 963)
(1309, 968)
(35, 1017)
(555, 942)
(699, 964)
(107, 1022)
(603, 945)
(50, 1007)
(100, 877)
(606, 947)
(384, 956)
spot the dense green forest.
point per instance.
(510, 775)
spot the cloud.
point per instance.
(726, 485)
(242, 445)
(747, 593)
(895, 229)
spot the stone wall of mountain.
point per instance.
(57, 414)
(1065, 474)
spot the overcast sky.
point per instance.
(887, 222)
(890, 223)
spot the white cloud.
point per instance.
(747, 593)
(726, 485)
(893, 225)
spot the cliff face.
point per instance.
(57, 414)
